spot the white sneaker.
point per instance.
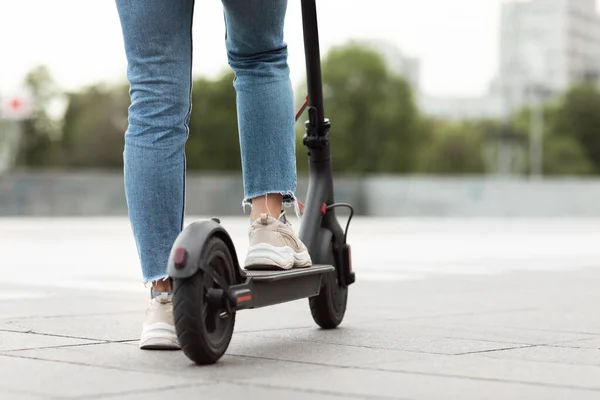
(158, 331)
(274, 245)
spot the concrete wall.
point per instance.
(102, 194)
(481, 197)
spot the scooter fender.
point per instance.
(186, 250)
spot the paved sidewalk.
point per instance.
(465, 334)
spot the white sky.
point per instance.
(80, 40)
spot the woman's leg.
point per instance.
(158, 46)
(258, 55)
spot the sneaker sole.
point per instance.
(264, 256)
(159, 336)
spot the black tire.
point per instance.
(203, 335)
(329, 306)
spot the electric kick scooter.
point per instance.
(209, 286)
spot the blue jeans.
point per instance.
(158, 45)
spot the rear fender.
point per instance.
(186, 250)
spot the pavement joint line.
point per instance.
(489, 341)
(241, 355)
(367, 320)
(558, 344)
(556, 361)
(496, 350)
(174, 374)
(451, 315)
(428, 336)
(31, 332)
(562, 343)
(563, 346)
(127, 369)
(103, 341)
(81, 364)
(366, 367)
(328, 365)
(55, 347)
(497, 380)
(522, 345)
(521, 328)
(114, 368)
(95, 343)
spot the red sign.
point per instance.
(15, 104)
(15, 108)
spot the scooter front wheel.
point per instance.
(204, 328)
(329, 306)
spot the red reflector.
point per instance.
(245, 298)
(180, 256)
(350, 258)
(323, 208)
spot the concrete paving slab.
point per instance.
(273, 347)
(431, 316)
(481, 366)
(468, 295)
(168, 363)
(593, 343)
(10, 395)
(24, 304)
(389, 339)
(435, 297)
(522, 290)
(127, 326)
(10, 326)
(363, 382)
(552, 354)
(578, 320)
(294, 315)
(117, 327)
(228, 391)
(439, 327)
(56, 379)
(10, 341)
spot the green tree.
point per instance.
(96, 119)
(372, 113)
(565, 156)
(452, 148)
(41, 130)
(577, 117)
(213, 143)
(563, 152)
(94, 126)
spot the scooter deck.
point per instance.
(272, 275)
(269, 287)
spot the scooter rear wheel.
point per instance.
(204, 329)
(329, 306)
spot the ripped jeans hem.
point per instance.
(151, 279)
(289, 199)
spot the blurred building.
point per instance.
(546, 46)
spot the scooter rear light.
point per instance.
(350, 258)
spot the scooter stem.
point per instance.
(313, 58)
